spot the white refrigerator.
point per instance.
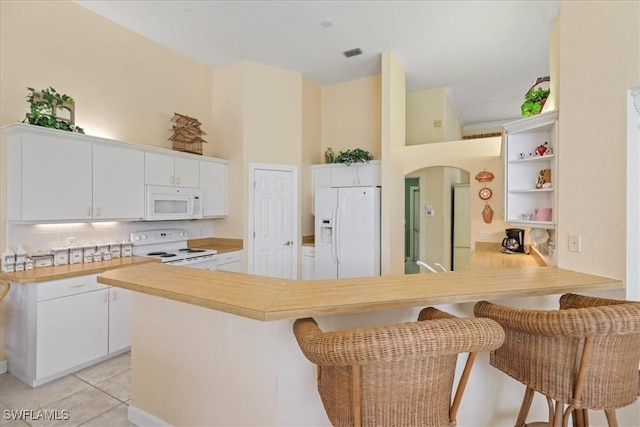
(347, 232)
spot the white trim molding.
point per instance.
(139, 417)
(633, 195)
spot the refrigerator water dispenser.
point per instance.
(326, 231)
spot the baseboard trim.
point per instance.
(142, 418)
(3, 366)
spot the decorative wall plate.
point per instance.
(485, 193)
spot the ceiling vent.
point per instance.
(352, 52)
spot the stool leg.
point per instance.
(558, 415)
(611, 417)
(524, 408)
(580, 418)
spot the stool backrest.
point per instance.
(585, 354)
(398, 374)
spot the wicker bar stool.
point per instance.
(584, 356)
(4, 288)
(395, 375)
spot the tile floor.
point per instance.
(97, 396)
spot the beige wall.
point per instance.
(126, 87)
(228, 120)
(599, 61)
(311, 149)
(452, 122)
(259, 115)
(393, 138)
(351, 116)
(424, 107)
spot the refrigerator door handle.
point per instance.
(334, 247)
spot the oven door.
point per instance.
(171, 203)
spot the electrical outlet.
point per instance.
(429, 211)
(484, 235)
(574, 243)
(437, 123)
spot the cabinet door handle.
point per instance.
(177, 180)
(97, 211)
(77, 286)
(114, 295)
(172, 180)
(106, 297)
(89, 211)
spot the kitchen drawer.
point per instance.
(66, 287)
(226, 257)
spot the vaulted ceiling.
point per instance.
(488, 53)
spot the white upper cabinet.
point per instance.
(168, 170)
(58, 176)
(118, 182)
(52, 176)
(356, 175)
(213, 183)
(343, 175)
(48, 177)
(530, 171)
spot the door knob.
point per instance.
(288, 243)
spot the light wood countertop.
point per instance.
(45, 274)
(221, 245)
(265, 298)
(489, 256)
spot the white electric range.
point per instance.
(170, 247)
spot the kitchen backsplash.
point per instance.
(39, 238)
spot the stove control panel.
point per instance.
(159, 236)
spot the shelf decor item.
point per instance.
(51, 109)
(535, 98)
(356, 155)
(329, 156)
(187, 135)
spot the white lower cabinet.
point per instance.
(70, 331)
(308, 262)
(62, 326)
(230, 261)
(119, 319)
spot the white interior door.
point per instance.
(274, 224)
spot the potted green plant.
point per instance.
(534, 100)
(356, 155)
(51, 109)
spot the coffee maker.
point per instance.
(514, 242)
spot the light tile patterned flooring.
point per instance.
(97, 396)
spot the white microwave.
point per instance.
(172, 203)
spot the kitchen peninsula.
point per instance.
(217, 348)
